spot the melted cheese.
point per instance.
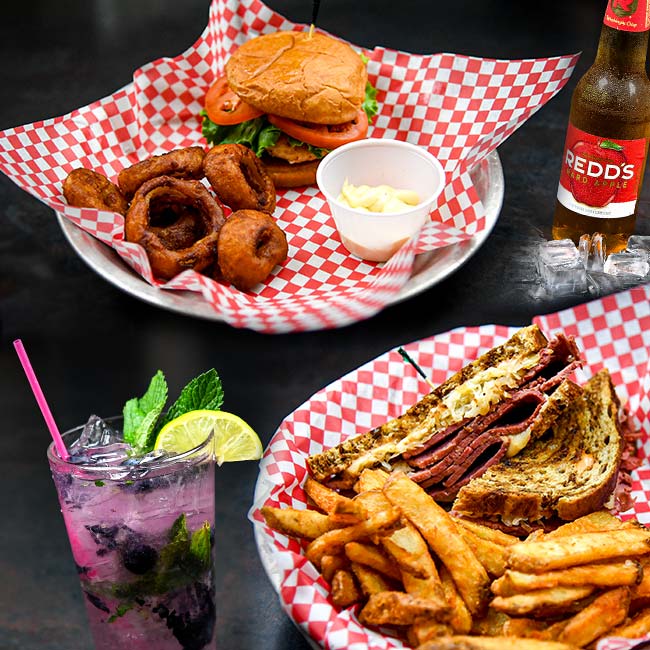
(518, 441)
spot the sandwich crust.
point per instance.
(311, 78)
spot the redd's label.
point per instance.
(600, 176)
(628, 15)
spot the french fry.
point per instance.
(636, 627)
(405, 545)
(530, 628)
(492, 643)
(592, 523)
(487, 533)
(344, 589)
(410, 552)
(371, 502)
(371, 479)
(439, 530)
(460, 619)
(325, 498)
(584, 548)
(597, 618)
(398, 608)
(542, 602)
(613, 574)
(492, 624)
(490, 554)
(425, 631)
(330, 564)
(333, 541)
(370, 556)
(370, 581)
(642, 590)
(307, 524)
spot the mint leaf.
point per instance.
(203, 392)
(200, 547)
(141, 415)
(119, 612)
(178, 532)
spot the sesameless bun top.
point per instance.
(292, 74)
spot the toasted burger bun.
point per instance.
(309, 78)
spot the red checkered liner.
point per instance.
(460, 108)
(613, 332)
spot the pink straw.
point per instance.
(40, 399)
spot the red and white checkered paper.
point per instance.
(613, 332)
(460, 108)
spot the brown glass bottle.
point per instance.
(609, 127)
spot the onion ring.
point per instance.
(239, 178)
(85, 188)
(180, 163)
(180, 232)
(250, 245)
(164, 191)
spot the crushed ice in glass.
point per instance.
(111, 455)
(567, 269)
(101, 445)
(96, 433)
(152, 457)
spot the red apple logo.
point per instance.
(596, 170)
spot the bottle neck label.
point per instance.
(628, 15)
(600, 176)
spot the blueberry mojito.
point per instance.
(137, 496)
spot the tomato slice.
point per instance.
(224, 106)
(323, 135)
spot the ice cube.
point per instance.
(152, 457)
(106, 456)
(96, 433)
(560, 267)
(591, 249)
(602, 284)
(584, 248)
(639, 243)
(629, 263)
(598, 253)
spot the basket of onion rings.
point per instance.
(140, 177)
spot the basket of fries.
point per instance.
(385, 566)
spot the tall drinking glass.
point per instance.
(142, 537)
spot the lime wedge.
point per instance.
(233, 438)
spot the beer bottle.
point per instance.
(607, 138)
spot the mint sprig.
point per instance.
(203, 392)
(141, 414)
(142, 420)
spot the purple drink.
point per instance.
(141, 532)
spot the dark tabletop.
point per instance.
(94, 346)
